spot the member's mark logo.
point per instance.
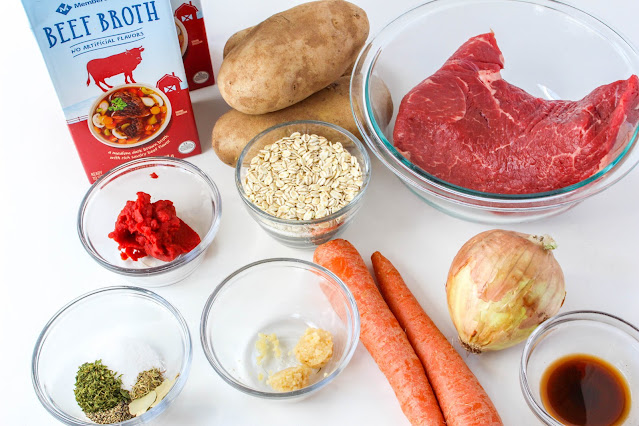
(63, 8)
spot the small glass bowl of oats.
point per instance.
(303, 181)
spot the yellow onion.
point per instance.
(501, 286)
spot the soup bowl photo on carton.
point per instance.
(181, 31)
(93, 111)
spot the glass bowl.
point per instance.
(281, 296)
(551, 50)
(88, 328)
(580, 332)
(304, 233)
(196, 199)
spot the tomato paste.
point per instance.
(144, 229)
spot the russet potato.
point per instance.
(239, 36)
(234, 40)
(235, 129)
(291, 55)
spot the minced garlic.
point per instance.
(315, 348)
(262, 346)
(290, 379)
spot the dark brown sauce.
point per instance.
(584, 390)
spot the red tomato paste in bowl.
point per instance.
(151, 229)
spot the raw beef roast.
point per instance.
(467, 126)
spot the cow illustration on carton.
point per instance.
(120, 63)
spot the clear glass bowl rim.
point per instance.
(415, 176)
(353, 328)
(138, 291)
(366, 172)
(582, 315)
(142, 163)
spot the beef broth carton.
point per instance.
(118, 72)
(189, 24)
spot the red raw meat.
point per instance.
(469, 127)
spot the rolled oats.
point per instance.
(303, 177)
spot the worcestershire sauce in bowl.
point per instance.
(585, 390)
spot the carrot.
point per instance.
(382, 335)
(461, 397)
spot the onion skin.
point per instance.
(501, 286)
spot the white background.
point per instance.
(43, 265)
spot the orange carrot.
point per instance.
(382, 335)
(461, 397)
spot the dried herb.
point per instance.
(117, 414)
(163, 390)
(97, 388)
(147, 381)
(139, 406)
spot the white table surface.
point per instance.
(43, 265)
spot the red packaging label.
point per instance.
(193, 43)
(99, 160)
